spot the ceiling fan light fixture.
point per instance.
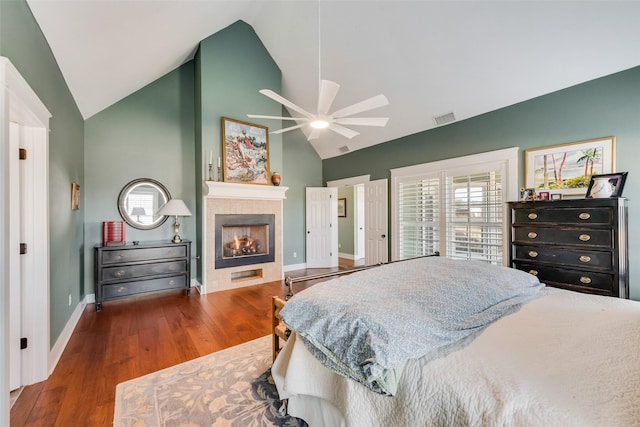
(319, 124)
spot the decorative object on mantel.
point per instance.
(75, 196)
(276, 178)
(567, 168)
(246, 152)
(175, 207)
(606, 185)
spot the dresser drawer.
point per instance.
(143, 254)
(127, 272)
(564, 236)
(132, 288)
(601, 283)
(590, 216)
(574, 257)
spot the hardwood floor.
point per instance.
(137, 336)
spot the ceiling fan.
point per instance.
(322, 119)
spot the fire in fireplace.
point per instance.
(244, 239)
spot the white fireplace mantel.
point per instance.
(231, 190)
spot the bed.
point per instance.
(542, 357)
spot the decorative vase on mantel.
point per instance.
(275, 178)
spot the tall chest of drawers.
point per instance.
(578, 244)
(128, 270)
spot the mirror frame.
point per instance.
(123, 196)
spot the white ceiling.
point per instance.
(427, 57)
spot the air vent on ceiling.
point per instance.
(444, 119)
(344, 149)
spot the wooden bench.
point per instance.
(278, 329)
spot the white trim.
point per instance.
(90, 298)
(20, 104)
(293, 267)
(352, 257)
(346, 182)
(507, 157)
(232, 190)
(65, 335)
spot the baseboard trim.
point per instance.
(65, 336)
(292, 267)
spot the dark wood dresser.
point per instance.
(578, 244)
(148, 267)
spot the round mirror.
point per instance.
(139, 201)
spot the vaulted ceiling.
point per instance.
(429, 58)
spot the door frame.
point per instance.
(20, 104)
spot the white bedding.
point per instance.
(565, 359)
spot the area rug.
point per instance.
(230, 388)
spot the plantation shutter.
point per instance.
(457, 210)
(419, 201)
(474, 211)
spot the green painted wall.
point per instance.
(609, 106)
(302, 168)
(231, 67)
(23, 43)
(149, 134)
(346, 224)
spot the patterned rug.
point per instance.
(230, 388)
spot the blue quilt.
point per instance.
(366, 325)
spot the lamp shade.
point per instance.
(137, 211)
(174, 207)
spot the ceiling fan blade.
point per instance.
(347, 133)
(259, 116)
(366, 105)
(275, 132)
(363, 121)
(328, 92)
(314, 134)
(271, 94)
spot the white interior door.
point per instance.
(359, 223)
(376, 223)
(15, 269)
(322, 227)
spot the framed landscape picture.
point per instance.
(245, 148)
(566, 169)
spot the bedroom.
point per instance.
(606, 106)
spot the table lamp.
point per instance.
(175, 207)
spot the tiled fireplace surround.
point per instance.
(233, 198)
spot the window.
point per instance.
(456, 206)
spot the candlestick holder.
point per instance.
(210, 171)
(220, 173)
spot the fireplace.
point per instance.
(244, 239)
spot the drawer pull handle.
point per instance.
(532, 235)
(122, 289)
(585, 258)
(121, 256)
(532, 215)
(172, 252)
(120, 273)
(533, 254)
(533, 272)
(171, 282)
(172, 267)
(584, 237)
(586, 280)
(584, 215)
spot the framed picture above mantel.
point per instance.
(245, 148)
(566, 169)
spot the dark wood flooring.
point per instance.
(136, 336)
